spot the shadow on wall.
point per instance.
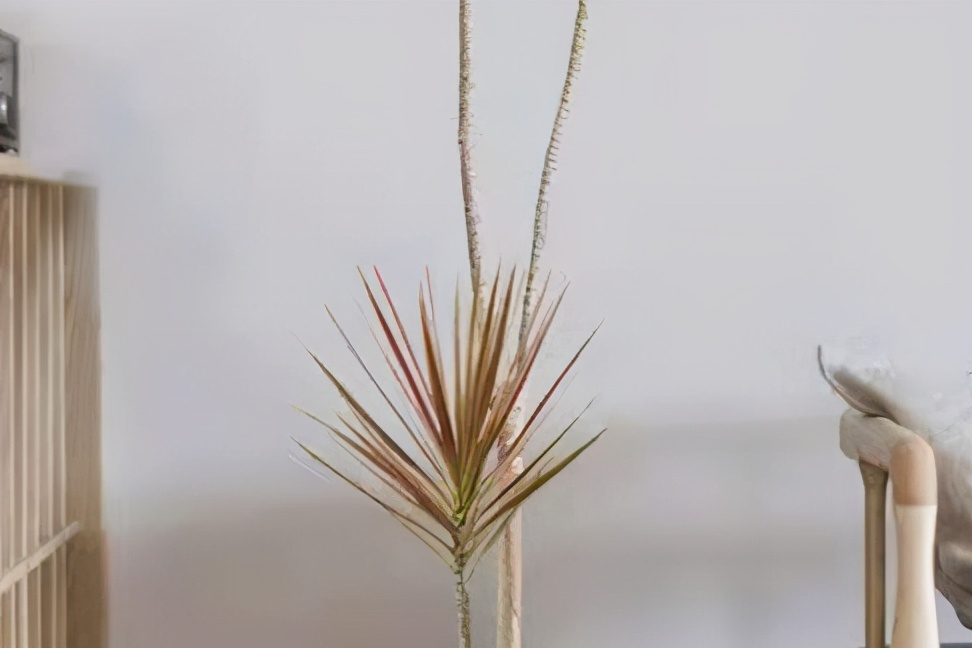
(280, 575)
(745, 535)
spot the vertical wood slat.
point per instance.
(35, 414)
(48, 306)
(27, 412)
(86, 611)
(13, 483)
(31, 411)
(60, 558)
(21, 432)
(7, 556)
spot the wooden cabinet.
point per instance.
(52, 576)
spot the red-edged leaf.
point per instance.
(534, 485)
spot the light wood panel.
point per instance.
(86, 610)
(52, 589)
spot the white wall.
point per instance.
(739, 182)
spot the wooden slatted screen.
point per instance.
(51, 566)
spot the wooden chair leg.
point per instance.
(875, 498)
(912, 471)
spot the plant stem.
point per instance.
(510, 603)
(550, 159)
(510, 568)
(465, 155)
(462, 611)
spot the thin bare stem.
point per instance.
(509, 605)
(510, 585)
(550, 159)
(462, 611)
(465, 155)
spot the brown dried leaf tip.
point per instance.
(436, 470)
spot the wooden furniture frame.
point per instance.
(52, 576)
(911, 468)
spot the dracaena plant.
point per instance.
(428, 454)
